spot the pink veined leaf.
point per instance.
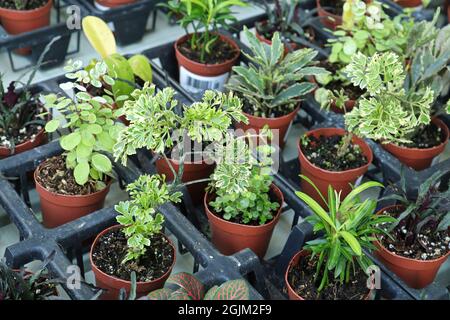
(233, 290)
(189, 283)
(160, 294)
(180, 294)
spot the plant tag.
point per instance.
(195, 83)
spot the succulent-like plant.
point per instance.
(273, 84)
(90, 121)
(349, 227)
(185, 286)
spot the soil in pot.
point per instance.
(264, 33)
(301, 280)
(111, 249)
(221, 51)
(322, 152)
(30, 4)
(427, 137)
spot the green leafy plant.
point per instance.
(90, 121)
(139, 216)
(391, 114)
(204, 17)
(185, 286)
(349, 227)
(273, 84)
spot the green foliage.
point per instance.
(139, 216)
(188, 287)
(204, 121)
(198, 14)
(242, 185)
(90, 121)
(368, 29)
(349, 227)
(429, 209)
(390, 114)
(273, 83)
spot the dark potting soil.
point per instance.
(333, 6)
(268, 31)
(277, 113)
(55, 177)
(426, 246)
(221, 51)
(31, 4)
(322, 152)
(301, 279)
(427, 137)
(111, 249)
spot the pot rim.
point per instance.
(202, 65)
(438, 122)
(273, 221)
(328, 172)
(94, 266)
(334, 15)
(108, 185)
(39, 134)
(277, 118)
(402, 258)
(14, 11)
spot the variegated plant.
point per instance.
(272, 83)
(188, 287)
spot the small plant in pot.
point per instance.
(205, 57)
(283, 18)
(76, 182)
(399, 113)
(334, 266)
(178, 134)
(242, 204)
(19, 16)
(137, 244)
(185, 286)
(272, 85)
(418, 242)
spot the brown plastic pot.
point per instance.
(202, 69)
(416, 158)
(20, 21)
(409, 3)
(339, 180)
(192, 171)
(281, 124)
(40, 139)
(112, 285)
(294, 262)
(114, 3)
(229, 237)
(329, 19)
(58, 209)
(416, 273)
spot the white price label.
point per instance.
(195, 83)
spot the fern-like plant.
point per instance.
(272, 84)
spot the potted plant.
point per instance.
(334, 266)
(271, 86)
(417, 243)
(177, 138)
(76, 183)
(242, 203)
(137, 243)
(398, 113)
(205, 56)
(185, 286)
(283, 18)
(19, 16)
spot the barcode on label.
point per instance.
(203, 85)
(196, 83)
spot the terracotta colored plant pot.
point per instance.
(231, 237)
(416, 273)
(206, 70)
(40, 139)
(294, 262)
(339, 180)
(330, 20)
(20, 21)
(58, 209)
(409, 3)
(114, 3)
(192, 171)
(113, 284)
(416, 158)
(281, 124)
